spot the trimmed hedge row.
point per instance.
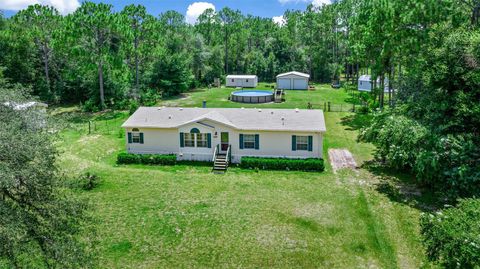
(311, 164)
(152, 159)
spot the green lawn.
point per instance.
(218, 97)
(185, 216)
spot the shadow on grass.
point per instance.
(401, 187)
(356, 121)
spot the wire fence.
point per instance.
(332, 107)
(103, 125)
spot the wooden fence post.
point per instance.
(89, 127)
(328, 106)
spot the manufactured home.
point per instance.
(243, 81)
(365, 83)
(199, 134)
(293, 81)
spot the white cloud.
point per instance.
(196, 9)
(280, 20)
(316, 3)
(63, 6)
(319, 3)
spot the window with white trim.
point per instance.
(302, 142)
(189, 140)
(202, 141)
(135, 135)
(249, 141)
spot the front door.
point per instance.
(223, 141)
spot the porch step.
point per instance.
(220, 164)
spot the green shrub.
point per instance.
(133, 107)
(89, 181)
(155, 159)
(452, 236)
(310, 164)
(151, 159)
(128, 158)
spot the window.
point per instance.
(136, 137)
(249, 141)
(246, 80)
(233, 80)
(202, 141)
(189, 140)
(302, 142)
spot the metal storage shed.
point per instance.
(365, 83)
(244, 81)
(293, 81)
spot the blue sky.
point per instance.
(263, 8)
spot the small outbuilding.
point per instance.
(293, 81)
(365, 83)
(243, 81)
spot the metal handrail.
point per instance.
(228, 154)
(215, 153)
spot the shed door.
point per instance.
(300, 84)
(284, 83)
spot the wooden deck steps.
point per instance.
(220, 164)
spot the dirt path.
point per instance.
(341, 158)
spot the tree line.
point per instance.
(103, 57)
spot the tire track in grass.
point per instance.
(376, 233)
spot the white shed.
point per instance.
(293, 81)
(244, 81)
(365, 83)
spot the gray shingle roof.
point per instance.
(301, 120)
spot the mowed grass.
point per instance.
(186, 217)
(218, 97)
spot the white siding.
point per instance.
(241, 82)
(292, 82)
(155, 141)
(271, 144)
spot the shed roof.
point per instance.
(295, 73)
(301, 120)
(242, 76)
(369, 78)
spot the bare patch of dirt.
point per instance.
(341, 158)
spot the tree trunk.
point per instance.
(137, 83)
(382, 91)
(100, 81)
(45, 64)
(226, 51)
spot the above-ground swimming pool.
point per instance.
(252, 96)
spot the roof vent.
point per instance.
(283, 120)
(259, 110)
(243, 107)
(159, 108)
(181, 108)
(297, 110)
(271, 112)
(169, 117)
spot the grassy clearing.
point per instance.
(185, 216)
(218, 97)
